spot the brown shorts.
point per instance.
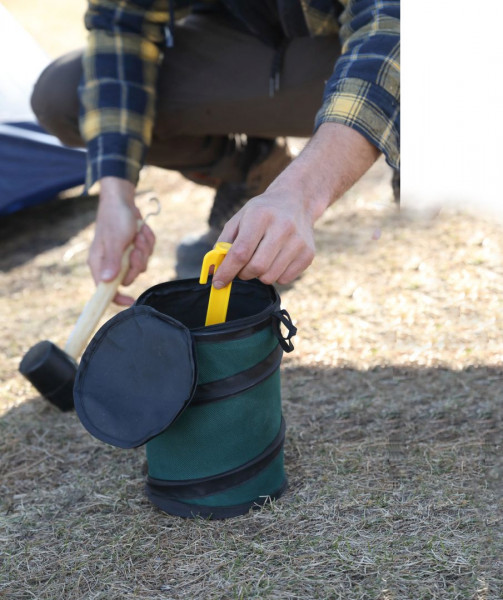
(212, 83)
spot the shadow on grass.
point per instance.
(395, 482)
(33, 230)
(391, 413)
(385, 412)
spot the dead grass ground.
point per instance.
(392, 399)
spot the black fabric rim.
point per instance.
(233, 334)
(230, 330)
(207, 486)
(192, 511)
(240, 382)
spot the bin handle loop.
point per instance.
(282, 316)
(219, 299)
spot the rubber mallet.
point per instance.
(52, 370)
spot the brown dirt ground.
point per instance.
(392, 399)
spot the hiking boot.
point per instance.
(261, 161)
(190, 253)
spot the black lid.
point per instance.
(135, 377)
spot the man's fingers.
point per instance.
(123, 300)
(269, 248)
(270, 273)
(232, 265)
(111, 261)
(105, 260)
(268, 244)
(104, 263)
(238, 256)
(149, 237)
(143, 244)
(94, 262)
(138, 261)
(278, 263)
(280, 246)
(230, 229)
(296, 267)
(264, 259)
(116, 229)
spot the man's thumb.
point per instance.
(109, 270)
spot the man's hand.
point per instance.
(116, 229)
(272, 235)
(272, 238)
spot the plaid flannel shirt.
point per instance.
(125, 47)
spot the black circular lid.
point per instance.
(135, 377)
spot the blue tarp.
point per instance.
(34, 166)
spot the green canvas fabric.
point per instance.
(219, 360)
(266, 483)
(225, 451)
(209, 439)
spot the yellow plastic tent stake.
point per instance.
(219, 299)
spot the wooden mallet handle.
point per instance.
(95, 308)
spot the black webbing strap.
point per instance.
(240, 382)
(206, 486)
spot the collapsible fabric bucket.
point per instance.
(205, 400)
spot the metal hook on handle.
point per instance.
(157, 210)
(219, 299)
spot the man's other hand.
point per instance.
(116, 228)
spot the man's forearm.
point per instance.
(333, 160)
(272, 236)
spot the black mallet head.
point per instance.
(52, 372)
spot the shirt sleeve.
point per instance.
(364, 89)
(117, 90)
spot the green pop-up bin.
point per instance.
(204, 399)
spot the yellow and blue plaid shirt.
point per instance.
(126, 42)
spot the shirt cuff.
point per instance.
(370, 110)
(114, 155)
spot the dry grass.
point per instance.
(392, 399)
(393, 405)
